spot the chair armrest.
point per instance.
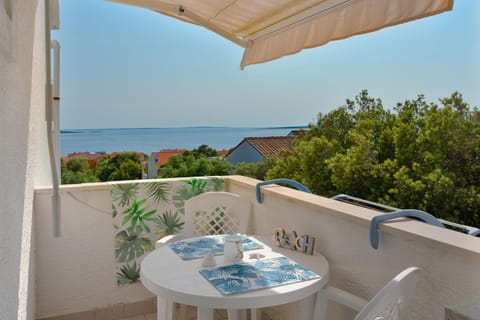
(347, 299)
(168, 239)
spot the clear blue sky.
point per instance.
(123, 66)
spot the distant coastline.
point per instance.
(150, 140)
(81, 130)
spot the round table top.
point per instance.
(168, 276)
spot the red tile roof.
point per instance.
(222, 153)
(269, 146)
(164, 154)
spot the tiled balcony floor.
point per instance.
(219, 315)
(150, 316)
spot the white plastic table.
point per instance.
(168, 276)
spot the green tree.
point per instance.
(257, 170)
(203, 150)
(420, 155)
(123, 166)
(76, 171)
(203, 161)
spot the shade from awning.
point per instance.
(270, 29)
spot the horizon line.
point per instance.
(185, 127)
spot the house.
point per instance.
(157, 159)
(222, 153)
(255, 149)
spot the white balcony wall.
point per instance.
(450, 260)
(23, 148)
(76, 272)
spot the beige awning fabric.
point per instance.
(270, 29)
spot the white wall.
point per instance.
(152, 170)
(76, 272)
(21, 121)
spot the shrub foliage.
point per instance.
(418, 155)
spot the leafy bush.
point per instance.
(203, 161)
(419, 155)
(76, 171)
(123, 166)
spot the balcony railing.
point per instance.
(77, 272)
(384, 208)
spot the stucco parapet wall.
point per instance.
(407, 229)
(100, 186)
(403, 228)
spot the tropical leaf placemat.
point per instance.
(242, 277)
(199, 248)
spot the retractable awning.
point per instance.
(270, 29)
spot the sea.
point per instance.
(148, 140)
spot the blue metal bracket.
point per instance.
(292, 183)
(409, 213)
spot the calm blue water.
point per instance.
(154, 139)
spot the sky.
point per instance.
(128, 67)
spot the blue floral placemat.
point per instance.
(267, 273)
(198, 248)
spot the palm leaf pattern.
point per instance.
(218, 184)
(190, 188)
(128, 274)
(124, 193)
(169, 223)
(261, 274)
(158, 192)
(197, 185)
(114, 211)
(136, 214)
(131, 244)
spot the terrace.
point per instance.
(74, 276)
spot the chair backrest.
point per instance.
(392, 302)
(216, 213)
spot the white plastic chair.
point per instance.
(207, 214)
(390, 303)
(216, 213)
